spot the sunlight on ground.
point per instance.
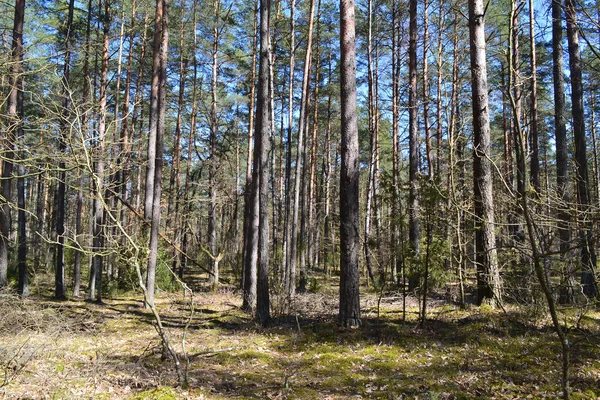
(81, 350)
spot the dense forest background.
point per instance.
(194, 143)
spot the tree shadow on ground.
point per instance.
(471, 354)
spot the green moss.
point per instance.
(587, 395)
(159, 393)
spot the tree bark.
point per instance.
(95, 290)
(349, 310)
(373, 144)
(213, 165)
(162, 13)
(79, 202)
(533, 132)
(588, 254)
(562, 151)
(250, 256)
(59, 277)
(396, 265)
(260, 182)
(426, 93)
(289, 274)
(249, 164)
(15, 122)
(488, 277)
(413, 196)
(154, 111)
(14, 138)
(300, 153)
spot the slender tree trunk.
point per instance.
(594, 134)
(138, 113)
(349, 312)
(14, 137)
(588, 254)
(514, 85)
(250, 255)
(174, 179)
(562, 151)
(395, 153)
(327, 231)
(533, 132)
(413, 196)
(260, 182)
(508, 156)
(488, 277)
(162, 13)
(249, 287)
(289, 274)
(455, 248)
(376, 178)
(273, 155)
(154, 112)
(312, 199)
(372, 166)
(125, 134)
(174, 202)
(300, 153)
(15, 121)
(84, 125)
(440, 72)
(95, 290)
(212, 208)
(59, 278)
(426, 94)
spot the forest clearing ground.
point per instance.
(79, 350)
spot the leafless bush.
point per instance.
(26, 316)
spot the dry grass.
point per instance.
(79, 350)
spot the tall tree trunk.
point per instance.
(260, 182)
(154, 111)
(289, 274)
(125, 137)
(440, 72)
(14, 137)
(533, 132)
(273, 185)
(162, 13)
(59, 278)
(249, 287)
(395, 153)
(349, 311)
(95, 290)
(456, 249)
(327, 231)
(300, 153)
(312, 199)
(376, 177)
(15, 121)
(488, 277)
(372, 142)
(414, 230)
(137, 115)
(588, 254)
(426, 94)
(192, 134)
(594, 134)
(508, 156)
(174, 202)
(514, 85)
(84, 124)
(213, 165)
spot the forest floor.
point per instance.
(79, 350)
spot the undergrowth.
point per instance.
(75, 349)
